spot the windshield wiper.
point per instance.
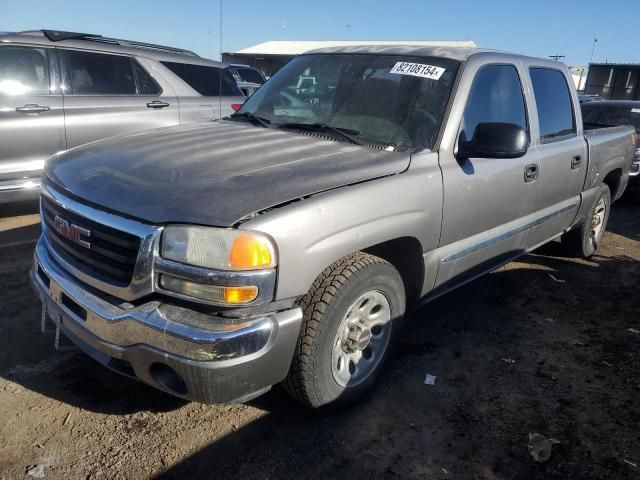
(265, 122)
(345, 133)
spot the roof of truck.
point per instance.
(454, 53)
(298, 47)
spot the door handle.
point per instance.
(157, 104)
(576, 162)
(531, 173)
(32, 108)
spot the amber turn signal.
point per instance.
(234, 295)
(248, 252)
(212, 293)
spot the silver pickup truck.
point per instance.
(285, 243)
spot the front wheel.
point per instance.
(584, 238)
(351, 318)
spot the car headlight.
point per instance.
(244, 260)
(218, 249)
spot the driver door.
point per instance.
(486, 200)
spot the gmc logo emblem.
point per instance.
(72, 232)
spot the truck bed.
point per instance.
(610, 148)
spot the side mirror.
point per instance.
(495, 140)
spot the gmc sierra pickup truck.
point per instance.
(285, 243)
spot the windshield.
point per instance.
(612, 115)
(389, 100)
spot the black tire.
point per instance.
(310, 379)
(580, 240)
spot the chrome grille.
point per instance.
(112, 255)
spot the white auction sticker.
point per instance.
(418, 70)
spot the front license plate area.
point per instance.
(60, 342)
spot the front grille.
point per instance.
(112, 254)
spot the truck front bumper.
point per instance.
(189, 354)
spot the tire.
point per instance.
(321, 374)
(584, 238)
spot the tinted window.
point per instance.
(23, 71)
(250, 75)
(146, 84)
(553, 101)
(100, 74)
(611, 115)
(495, 97)
(205, 80)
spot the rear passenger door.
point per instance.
(560, 144)
(486, 200)
(31, 116)
(108, 94)
(214, 90)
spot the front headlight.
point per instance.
(218, 249)
(239, 265)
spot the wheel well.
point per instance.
(612, 180)
(405, 254)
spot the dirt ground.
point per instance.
(515, 353)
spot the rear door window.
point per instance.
(24, 71)
(496, 97)
(100, 74)
(207, 81)
(145, 82)
(553, 102)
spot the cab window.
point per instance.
(495, 97)
(553, 103)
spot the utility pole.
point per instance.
(221, 31)
(220, 72)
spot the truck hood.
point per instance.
(212, 174)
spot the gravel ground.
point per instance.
(520, 358)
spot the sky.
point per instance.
(534, 27)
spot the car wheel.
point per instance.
(352, 316)
(584, 238)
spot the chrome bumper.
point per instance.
(190, 354)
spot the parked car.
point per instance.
(213, 261)
(617, 112)
(59, 90)
(248, 79)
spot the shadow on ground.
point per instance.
(19, 224)
(625, 217)
(19, 208)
